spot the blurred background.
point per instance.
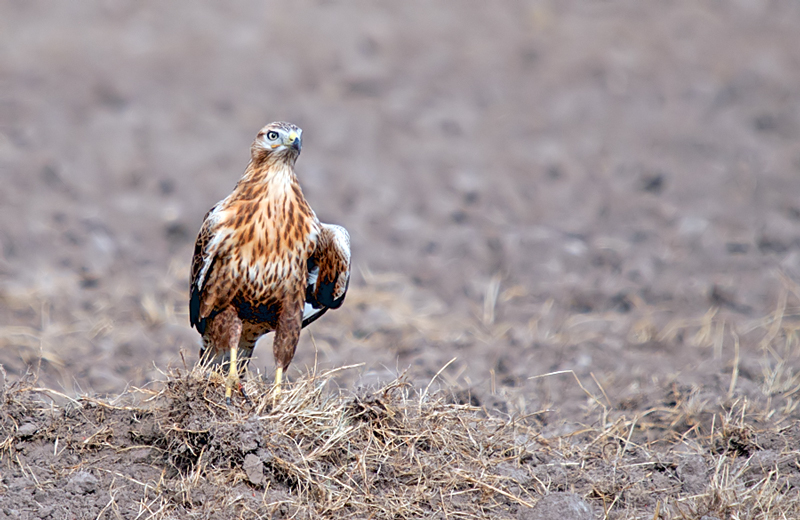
(609, 187)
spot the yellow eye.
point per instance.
(272, 135)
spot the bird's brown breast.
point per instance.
(270, 239)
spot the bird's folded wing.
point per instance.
(328, 272)
(212, 287)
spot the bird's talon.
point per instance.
(244, 395)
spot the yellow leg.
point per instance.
(276, 391)
(233, 375)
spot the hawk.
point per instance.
(263, 262)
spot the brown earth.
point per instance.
(386, 453)
(592, 206)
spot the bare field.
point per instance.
(389, 452)
(576, 240)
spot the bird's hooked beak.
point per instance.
(294, 141)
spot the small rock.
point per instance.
(254, 469)
(559, 506)
(46, 511)
(27, 430)
(82, 483)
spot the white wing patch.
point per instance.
(210, 251)
(312, 277)
(309, 311)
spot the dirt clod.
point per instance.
(254, 469)
(559, 506)
(82, 483)
(27, 430)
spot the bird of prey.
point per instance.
(263, 262)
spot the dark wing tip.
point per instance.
(325, 293)
(337, 302)
(194, 311)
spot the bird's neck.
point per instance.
(274, 173)
(266, 180)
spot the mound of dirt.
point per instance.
(390, 452)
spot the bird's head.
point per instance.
(280, 141)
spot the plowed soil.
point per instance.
(577, 218)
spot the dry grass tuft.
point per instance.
(387, 452)
(391, 452)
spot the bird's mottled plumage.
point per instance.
(263, 262)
